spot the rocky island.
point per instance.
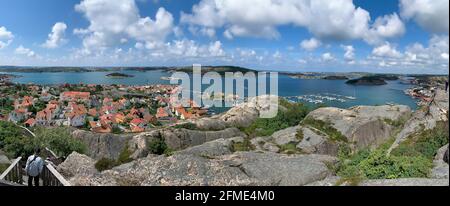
(119, 75)
(368, 81)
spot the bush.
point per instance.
(105, 164)
(124, 156)
(189, 126)
(290, 148)
(299, 135)
(244, 146)
(59, 140)
(8, 129)
(377, 165)
(158, 146)
(426, 143)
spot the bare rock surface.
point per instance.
(363, 125)
(213, 163)
(77, 164)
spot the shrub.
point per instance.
(158, 146)
(246, 145)
(290, 148)
(124, 156)
(105, 164)
(189, 126)
(299, 135)
(425, 143)
(59, 140)
(377, 165)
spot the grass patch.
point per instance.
(325, 127)
(396, 123)
(289, 115)
(244, 146)
(290, 148)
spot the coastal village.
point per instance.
(99, 108)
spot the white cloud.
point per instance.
(25, 51)
(310, 44)
(6, 37)
(277, 55)
(336, 20)
(349, 54)
(433, 15)
(56, 37)
(386, 50)
(388, 26)
(327, 57)
(111, 21)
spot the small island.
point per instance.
(368, 81)
(119, 75)
(334, 77)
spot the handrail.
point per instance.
(10, 168)
(14, 173)
(49, 180)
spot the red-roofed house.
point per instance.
(30, 122)
(18, 115)
(75, 96)
(161, 113)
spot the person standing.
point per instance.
(34, 167)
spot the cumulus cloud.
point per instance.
(388, 26)
(56, 37)
(386, 50)
(310, 44)
(336, 20)
(6, 37)
(433, 15)
(327, 57)
(25, 51)
(111, 21)
(349, 54)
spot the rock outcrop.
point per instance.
(102, 145)
(363, 125)
(441, 168)
(425, 118)
(242, 115)
(310, 141)
(77, 165)
(110, 145)
(4, 159)
(213, 163)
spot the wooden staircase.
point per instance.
(15, 175)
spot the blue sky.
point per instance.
(401, 36)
